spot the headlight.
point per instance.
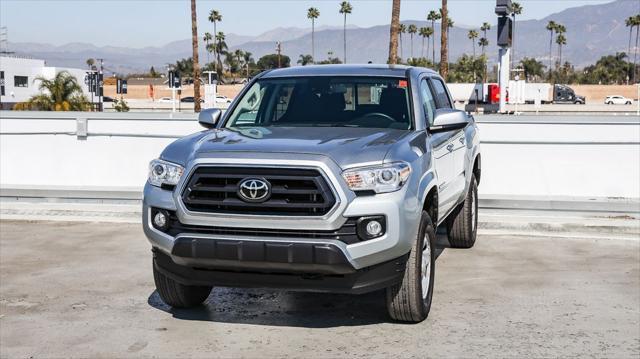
(380, 179)
(163, 172)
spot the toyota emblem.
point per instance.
(254, 190)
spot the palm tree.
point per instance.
(636, 23)
(551, 27)
(424, 34)
(313, 13)
(247, 60)
(412, 29)
(403, 30)
(215, 17)
(62, 93)
(484, 28)
(345, 8)
(305, 60)
(394, 32)
(196, 63)
(560, 40)
(449, 26)
(207, 37)
(483, 42)
(630, 23)
(444, 49)
(516, 9)
(430, 33)
(230, 61)
(90, 63)
(473, 35)
(221, 47)
(239, 54)
(433, 16)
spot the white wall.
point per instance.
(32, 68)
(596, 160)
(15, 66)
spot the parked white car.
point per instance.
(617, 100)
(223, 99)
(165, 100)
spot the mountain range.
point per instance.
(592, 31)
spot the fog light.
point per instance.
(371, 227)
(160, 221)
(374, 228)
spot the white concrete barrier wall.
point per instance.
(594, 158)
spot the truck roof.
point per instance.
(343, 70)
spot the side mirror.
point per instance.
(209, 117)
(447, 119)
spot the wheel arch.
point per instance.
(477, 168)
(430, 204)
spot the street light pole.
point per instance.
(279, 51)
(101, 84)
(505, 26)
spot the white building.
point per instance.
(18, 78)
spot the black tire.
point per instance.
(405, 301)
(179, 295)
(628, 102)
(462, 224)
(609, 103)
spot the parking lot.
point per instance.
(86, 290)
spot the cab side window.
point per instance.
(428, 102)
(440, 92)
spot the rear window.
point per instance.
(375, 102)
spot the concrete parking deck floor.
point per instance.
(86, 290)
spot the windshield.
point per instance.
(373, 102)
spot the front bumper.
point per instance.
(351, 281)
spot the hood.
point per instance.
(344, 145)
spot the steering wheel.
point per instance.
(383, 120)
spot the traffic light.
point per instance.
(503, 7)
(121, 87)
(174, 79)
(505, 24)
(99, 83)
(505, 31)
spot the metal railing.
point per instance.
(83, 120)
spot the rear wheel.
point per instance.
(410, 300)
(179, 295)
(462, 224)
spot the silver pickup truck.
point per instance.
(319, 178)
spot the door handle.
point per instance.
(450, 147)
(462, 140)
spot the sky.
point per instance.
(140, 23)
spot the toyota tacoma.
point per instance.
(318, 178)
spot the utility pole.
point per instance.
(279, 51)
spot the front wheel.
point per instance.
(410, 300)
(179, 295)
(462, 224)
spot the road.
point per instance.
(86, 290)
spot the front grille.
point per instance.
(347, 233)
(294, 191)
